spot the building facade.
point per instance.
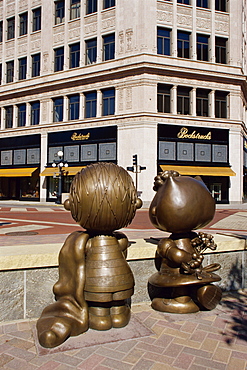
(103, 80)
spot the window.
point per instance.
(163, 41)
(22, 68)
(183, 100)
(108, 4)
(57, 109)
(187, 2)
(75, 8)
(59, 11)
(35, 113)
(108, 97)
(21, 121)
(91, 6)
(220, 5)
(10, 71)
(202, 47)
(23, 24)
(90, 103)
(163, 100)
(59, 59)
(10, 28)
(91, 51)
(221, 104)
(1, 31)
(183, 44)
(35, 65)
(109, 47)
(1, 75)
(36, 19)
(220, 50)
(202, 102)
(74, 55)
(9, 117)
(202, 3)
(74, 103)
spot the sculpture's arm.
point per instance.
(123, 242)
(168, 249)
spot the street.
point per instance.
(55, 220)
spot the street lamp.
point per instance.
(60, 164)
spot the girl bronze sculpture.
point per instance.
(182, 285)
(94, 278)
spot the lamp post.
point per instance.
(60, 164)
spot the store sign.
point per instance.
(245, 144)
(184, 134)
(80, 137)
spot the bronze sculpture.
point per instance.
(95, 279)
(182, 285)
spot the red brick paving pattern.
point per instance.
(206, 340)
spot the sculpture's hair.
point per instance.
(161, 178)
(103, 197)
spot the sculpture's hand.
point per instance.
(202, 242)
(194, 264)
(168, 249)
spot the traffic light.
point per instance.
(135, 160)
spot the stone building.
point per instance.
(103, 80)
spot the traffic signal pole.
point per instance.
(136, 169)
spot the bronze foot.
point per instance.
(59, 321)
(209, 296)
(99, 318)
(174, 305)
(120, 316)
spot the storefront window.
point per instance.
(52, 187)
(20, 187)
(29, 187)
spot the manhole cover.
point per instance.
(22, 233)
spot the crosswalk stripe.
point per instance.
(8, 229)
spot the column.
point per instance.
(99, 104)
(174, 100)
(43, 158)
(15, 116)
(211, 98)
(193, 35)
(174, 30)
(2, 118)
(212, 37)
(193, 101)
(65, 108)
(28, 114)
(81, 107)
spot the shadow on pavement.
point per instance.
(236, 302)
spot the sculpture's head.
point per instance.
(181, 204)
(103, 198)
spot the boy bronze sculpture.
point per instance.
(182, 285)
(94, 278)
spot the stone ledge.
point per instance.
(44, 255)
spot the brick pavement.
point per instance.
(205, 340)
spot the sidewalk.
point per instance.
(153, 340)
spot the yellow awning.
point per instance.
(50, 171)
(16, 172)
(203, 171)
